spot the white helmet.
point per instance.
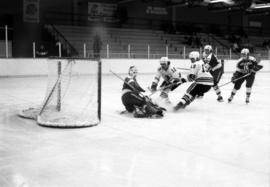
(194, 55)
(164, 60)
(207, 50)
(245, 51)
(208, 47)
(164, 63)
(132, 71)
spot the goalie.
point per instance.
(171, 79)
(133, 100)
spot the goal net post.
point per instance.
(73, 94)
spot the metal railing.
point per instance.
(61, 40)
(6, 42)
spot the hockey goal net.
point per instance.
(73, 95)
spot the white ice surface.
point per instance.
(209, 144)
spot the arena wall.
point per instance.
(38, 67)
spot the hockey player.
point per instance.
(133, 100)
(214, 67)
(246, 69)
(202, 81)
(171, 79)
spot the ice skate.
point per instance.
(180, 105)
(230, 99)
(220, 98)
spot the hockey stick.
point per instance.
(119, 77)
(115, 74)
(235, 80)
(163, 88)
(183, 68)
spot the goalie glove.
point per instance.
(154, 87)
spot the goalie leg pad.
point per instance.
(140, 113)
(152, 109)
(149, 110)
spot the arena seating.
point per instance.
(138, 41)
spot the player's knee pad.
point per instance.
(237, 86)
(249, 82)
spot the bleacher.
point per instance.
(140, 43)
(119, 42)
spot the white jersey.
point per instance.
(167, 75)
(201, 76)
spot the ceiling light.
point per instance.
(258, 6)
(229, 2)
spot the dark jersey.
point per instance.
(246, 65)
(212, 60)
(131, 84)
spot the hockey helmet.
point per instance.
(194, 56)
(164, 62)
(244, 53)
(207, 49)
(132, 71)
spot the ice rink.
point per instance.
(209, 144)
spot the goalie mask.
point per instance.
(132, 71)
(164, 63)
(194, 56)
(245, 53)
(207, 50)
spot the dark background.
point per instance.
(182, 16)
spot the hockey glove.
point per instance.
(174, 81)
(256, 68)
(183, 80)
(154, 87)
(191, 77)
(207, 67)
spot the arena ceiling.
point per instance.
(251, 6)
